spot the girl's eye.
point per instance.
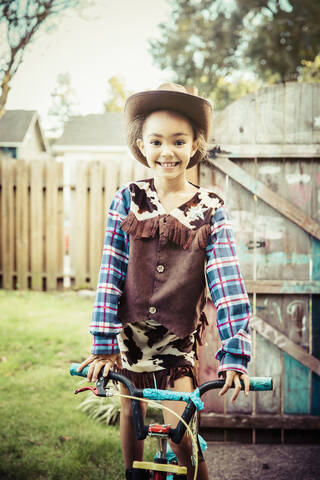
(180, 142)
(155, 142)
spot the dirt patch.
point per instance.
(263, 462)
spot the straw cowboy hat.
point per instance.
(169, 96)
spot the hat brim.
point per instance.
(196, 108)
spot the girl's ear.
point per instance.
(140, 144)
(194, 148)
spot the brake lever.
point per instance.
(99, 390)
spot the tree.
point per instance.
(206, 40)
(20, 20)
(64, 102)
(310, 71)
(286, 33)
(117, 95)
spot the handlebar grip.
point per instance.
(261, 383)
(74, 370)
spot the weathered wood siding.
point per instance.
(281, 120)
(274, 201)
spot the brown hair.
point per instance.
(135, 131)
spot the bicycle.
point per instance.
(159, 468)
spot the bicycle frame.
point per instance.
(193, 402)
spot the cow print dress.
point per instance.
(151, 354)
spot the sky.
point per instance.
(111, 40)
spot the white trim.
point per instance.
(31, 125)
(269, 150)
(10, 144)
(89, 148)
(45, 140)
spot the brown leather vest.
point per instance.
(165, 277)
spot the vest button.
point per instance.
(160, 268)
(152, 309)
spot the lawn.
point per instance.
(43, 435)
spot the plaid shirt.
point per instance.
(223, 275)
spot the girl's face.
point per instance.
(167, 142)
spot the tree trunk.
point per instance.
(5, 88)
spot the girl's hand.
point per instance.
(97, 362)
(231, 376)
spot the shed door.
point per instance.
(275, 210)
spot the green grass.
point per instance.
(43, 435)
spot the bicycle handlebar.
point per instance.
(193, 399)
(256, 383)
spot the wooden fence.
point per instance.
(34, 231)
(31, 239)
(52, 230)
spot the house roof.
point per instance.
(94, 130)
(14, 125)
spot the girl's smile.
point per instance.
(168, 165)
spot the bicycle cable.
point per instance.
(158, 405)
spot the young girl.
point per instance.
(164, 237)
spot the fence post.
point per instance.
(54, 216)
(37, 224)
(22, 220)
(80, 228)
(96, 219)
(7, 222)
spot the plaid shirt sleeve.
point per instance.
(228, 294)
(105, 324)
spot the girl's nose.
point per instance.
(166, 151)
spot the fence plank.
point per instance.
(270, 105)
(260, 421)
(208, 366)
(7, 224)
(126, 171)
(51, 246)
(81, 227)
(298, 106)
(296, 387)
(36, 218)
(315, 113)
(60, 226)
(22, 220)
(111, 182)
(283, 286)
(267, 365)
(96, 219)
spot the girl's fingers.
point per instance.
(246, 381)
(234, 377)
(228, 383)
(84, 363)
(96, 362)
(106, 369)
(90, 372)
(237, 387)
(97, 369)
